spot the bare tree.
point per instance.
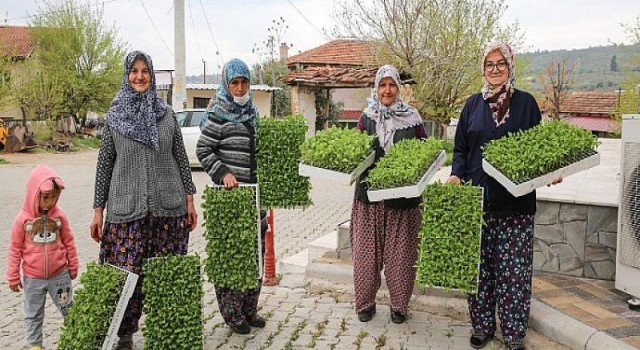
(633, 30)
(556, 79)
(438, 42)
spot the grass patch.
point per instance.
(84, 143)
(3, 161)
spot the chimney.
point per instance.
(284, 52)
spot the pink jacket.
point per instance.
(44, 244)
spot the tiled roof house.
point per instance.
(16, 42)
(591, 110)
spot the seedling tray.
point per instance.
(342, 178)
(411, 191)
(127, 292)
(523, 188)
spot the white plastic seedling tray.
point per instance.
(127, 292)
(409, 191)
(342, 178)
(526, 187)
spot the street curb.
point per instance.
(569, 331)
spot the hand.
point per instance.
(229, 181)
(96, 225)
(192, 214)
(555, 181)
(16, 287)
(454, 180)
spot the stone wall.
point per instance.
(576, 239)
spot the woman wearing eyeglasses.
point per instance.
(507, 238)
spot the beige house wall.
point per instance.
(261, 99)
(10, 109)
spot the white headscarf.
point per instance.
(398, 115)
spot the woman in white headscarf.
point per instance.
(385, 234)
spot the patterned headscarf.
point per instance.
(499, 97)
(398, 115)
(223, 106)
(135, 114)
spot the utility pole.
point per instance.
(204, 71)
(179, 87)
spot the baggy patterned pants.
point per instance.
(506, 261)
(127, 245)
(384, 238)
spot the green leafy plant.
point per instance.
(173, 303)
(404, 164)
(337, 149)
(231, 220)
(528, 154)
(87, 323)
(279, 143)
(449, 248)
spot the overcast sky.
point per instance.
(237, 25)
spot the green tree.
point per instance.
(79, 53)
(614, 64)
(438, 42)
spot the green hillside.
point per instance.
(593, 65)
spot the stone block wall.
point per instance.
(576, 239)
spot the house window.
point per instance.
(200, 102)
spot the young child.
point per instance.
(42, 240)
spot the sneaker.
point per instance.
(242, 328)
(366, 315)
(125, 342)
(36, 348)
(479, 340)
(398, 317)
(257, 322)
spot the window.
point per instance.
(181, 116)
(200, 102)
(196, 117)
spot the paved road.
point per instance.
(296, 320)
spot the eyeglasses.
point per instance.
(489, 67)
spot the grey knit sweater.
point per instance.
(225, 147)
(133, 180)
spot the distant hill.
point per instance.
(593, 65)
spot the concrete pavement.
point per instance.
(296, 319)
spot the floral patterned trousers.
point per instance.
(128, 245)
(506, 261)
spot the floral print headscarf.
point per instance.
(499, 97)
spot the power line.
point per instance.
(154, 27)
(215, 43)
(308, 21)
(195, 32)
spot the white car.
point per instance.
(189, 121)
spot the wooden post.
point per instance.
(269, 278)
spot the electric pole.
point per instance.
(179, 87)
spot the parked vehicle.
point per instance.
(189, 121)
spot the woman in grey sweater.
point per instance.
(144, 181)
(227, 150)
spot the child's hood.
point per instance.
(41, 179)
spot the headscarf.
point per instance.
(223, 106)
(398, 115)
(135, 114)
(499, 97)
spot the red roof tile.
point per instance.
(589, 102)
(342, 52)
(15, 42)
(602, 124)
(351, 114)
